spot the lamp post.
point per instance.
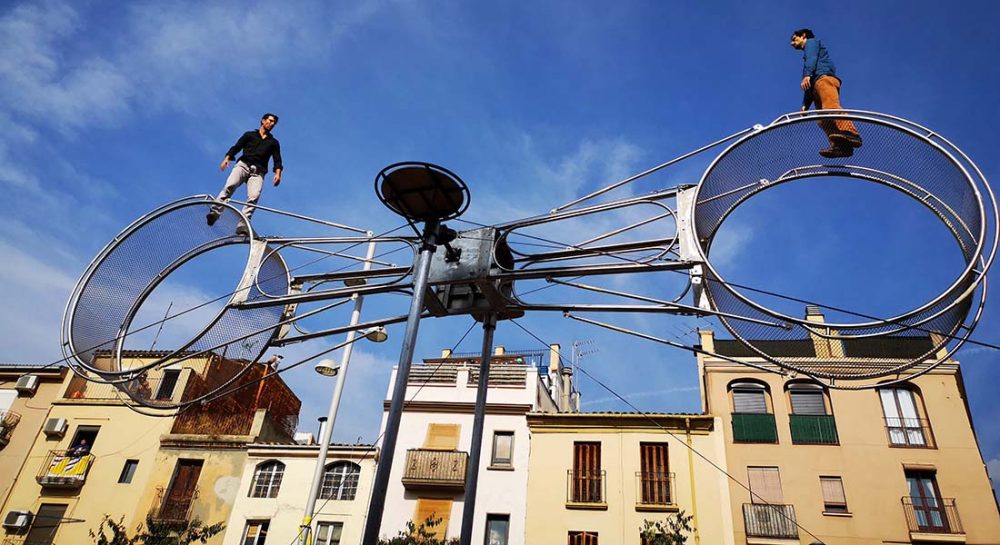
(331, 369)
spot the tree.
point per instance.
(672, 531)
(114, 532)
(414, 534)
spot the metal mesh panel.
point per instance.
(126, 272)
(896, 154)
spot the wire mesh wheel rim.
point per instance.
(960, 293)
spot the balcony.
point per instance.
(152, 390)
(773, 520)
(586, 489)
(23, 540)
(909, 432)
(933, 519)
(8, 421)
(61, 469)
(654, 491)
(810, 429)
(427, 468)
(754, 428)
(169, 507)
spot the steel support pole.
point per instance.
(326, 434)
(381, 483)
(478, 423)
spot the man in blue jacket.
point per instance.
(821, 85)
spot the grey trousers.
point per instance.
(239, 175)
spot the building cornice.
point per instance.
(462, 407)
(615, 422)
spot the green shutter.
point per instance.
(754, 428)
(813, 429)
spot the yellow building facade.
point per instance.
(898, 464)
(24, 406)
(594, 478)
(94, 456)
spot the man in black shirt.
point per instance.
(258, 147)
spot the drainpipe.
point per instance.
(694, 495)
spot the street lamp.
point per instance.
(330, 368)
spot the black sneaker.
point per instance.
(211, 218)
(847, 139)
(837, 151)
(242, 230)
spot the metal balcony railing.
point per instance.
(586, 487)
(149, 389)
(932, 515)
(770, 520)
(808, 429)
(435, 468)
(64, 469)
(909, 432)
(171, 507)
(654, 488)
(8, 421)
(754, 428)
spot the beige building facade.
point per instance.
(594, 478)
(897, 464)
(94, 456)
(24, 407)
(271, 495)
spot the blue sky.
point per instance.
(111, 111)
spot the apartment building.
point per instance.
(26, 393)
(427, 478)
(896, 464)
(594, 478)
(94, 456)
(271, 496)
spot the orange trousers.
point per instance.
(826, 94)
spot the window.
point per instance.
(340, 481)
(256, 532)
(267, 479)
(654, 477)
(433, 509)
(765, 485)
(749, 398)
(503, 448)
(810, 421)
(497, 529)
(328, 533)
(586, 485)
(83, 440)
(167, 384)
(807, 398)
(182, 491)
(925, 499)
(834, 500)
(583, 538)
(128, 471)
(46, 524)
(902, 420)
(752, 420)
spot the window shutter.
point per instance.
(436, 509)
(765, 483)
(442, 436)
(749, 401)
(808, 402)
(833, 490)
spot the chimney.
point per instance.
(499, 351)
(553, 358)
(565, 404)
(446, 353)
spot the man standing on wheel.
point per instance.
(821, 85)
(257, 148)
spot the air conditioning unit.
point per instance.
(17, 521)
(27, 385)
(55, 427)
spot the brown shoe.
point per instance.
(845, 139)
(837, 151)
